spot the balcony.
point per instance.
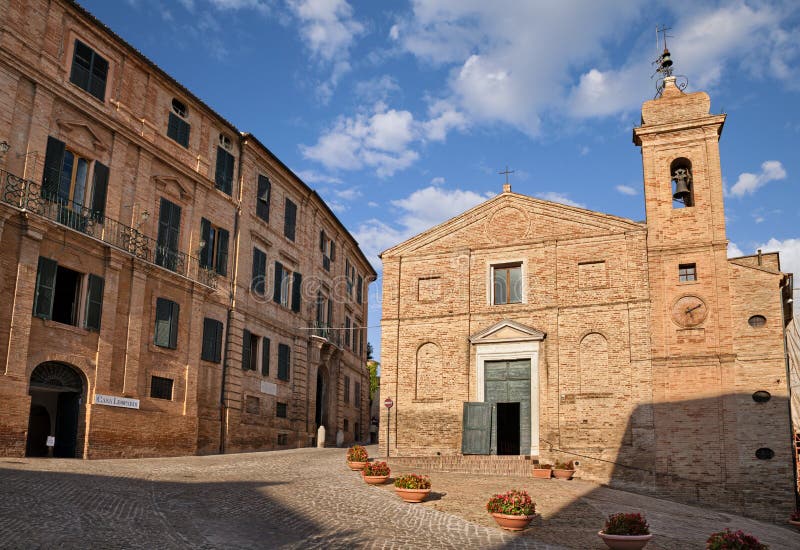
(27, 196)
(331, 335)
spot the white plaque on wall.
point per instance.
(269, 388)
(114, 401)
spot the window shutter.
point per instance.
(205, 236)
(259, 272)
(219, 173)
(284, 359)
(173, 324)
(99, 191)
(178, 129)
(477, 429)
(94, 302)
(262, 200)
(290, 219)
(218, 343)
(296, 292)
(330, 312)
(53, 161)
(162, 330)
(322, 241)
(246, 350)
(45, 288)
(222, 252)
(97, 82)
(265, 356)
(359, 289)
(212, 340)
(169, 223)
(333, 251)
(276, 295)
(81, 65)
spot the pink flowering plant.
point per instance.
(376, 469)
(357, 453)
(733, 540)
(413, 481)
(512, 503)
(626, 524)
(795, 516)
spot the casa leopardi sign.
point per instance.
(114, 401)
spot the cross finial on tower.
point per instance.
(506, 185)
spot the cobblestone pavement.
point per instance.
(286, 499)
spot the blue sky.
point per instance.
(401, 113)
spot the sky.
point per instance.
(402, 113)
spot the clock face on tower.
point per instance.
(689, 311)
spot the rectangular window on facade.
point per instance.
(288, 287)
(223, 176)
(259, 274)
(58, 295)
(346, 425)
(350, 276)
(347, 389)
(347, 337)
(252, 404)
(212, 340)
(160, 388)
(283, 439)
(289, 220)
(358, 331)
(166, 331)
(284, 361)
(265, 345)
(280, 410)
(214, 252)
(357, 396)
(328, 249)
(360, 289)
(89, 70)
(262, 197)
(250, 350)
(507, 284)
(687, 272)
(169, 226)
(178, 128)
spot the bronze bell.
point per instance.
(682, 191)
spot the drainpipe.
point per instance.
(223, 409)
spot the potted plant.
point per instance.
(794, 519)
(733, 540)
(513, 510)
(357, 457)
(626, 532)
(375, 473)
(563, 470)
(543, 471)
(412, 487)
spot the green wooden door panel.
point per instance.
(509, 382)
(477, 426)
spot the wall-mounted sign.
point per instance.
(269, 388)
(51, 441)
(114, 401)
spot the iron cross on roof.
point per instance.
(506, 185)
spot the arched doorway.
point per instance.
(56, 390)
(320, 412)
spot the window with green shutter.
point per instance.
(45, 288)
(360, 289)
(169, 225)
(284, 361)
(289, 219)
(99, 191)
(262, 197)
(259, 273)
(177, 127)
(265, 356)
(212, 340)
(94, 302)
(166, 329)
(223, 176)
(214, 252)
(89, 70)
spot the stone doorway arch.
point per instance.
(57, 393)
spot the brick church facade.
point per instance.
(526, 327)
(171, 287)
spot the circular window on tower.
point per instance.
(757, 321)
(761, 396)
(765, 453)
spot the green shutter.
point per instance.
(175, 309)
(284, 360)
(99, 191)
(333, 251)
(218, 343)
(205, 236)
(258, 282)
(262, 198)
(222, 252)
(265, 356)
(276, 295)
(246, 350)
(45, 288)
(212, 340)
(289, 219)
(169, 223)
(163, 309)
(322, 241)
(360, 289)
(53, 161)
(94, 302)
(297, 284)
(476, 430)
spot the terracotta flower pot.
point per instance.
(563, 474)
(356, 465)
(412, 495)
(542, 473)
(625, 542)
(795, 523)
(375, 480)
(512, 523)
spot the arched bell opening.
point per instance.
(55, 423)
(682, 185)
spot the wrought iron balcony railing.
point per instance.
(29, 196)
(323, 330)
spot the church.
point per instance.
(638, 350)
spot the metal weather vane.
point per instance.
(663, 63)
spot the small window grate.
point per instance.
(757, 321)
(761, 396)
(280, 410)
(161, 388)
(765, 453)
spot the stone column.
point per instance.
(105, 342)
(136, 331)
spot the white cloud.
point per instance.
(187, 4)
(372, 204)
(626, 190)
(584, 150)
(748, 183)
(554, 196)
(734, 251)
(443, 118)
(310, 176)
(348, 194)
(438, 180)
(789, 250)
(421, 210)
(259, 5)
(376, 89)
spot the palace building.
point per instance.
(171, 286)
(638, 349)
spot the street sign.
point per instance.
(388, 403)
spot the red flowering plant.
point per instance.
(733, 540)
(413, 481)
(357, 453)
(512, 503)
(376, 469)
(795, 516)
(626, 524)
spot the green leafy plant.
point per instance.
(376, 469)
(733, 540)
(413, 481)
(357, 453)
(512, 503)
(564, 465)
(626, 524)
(543, 466)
